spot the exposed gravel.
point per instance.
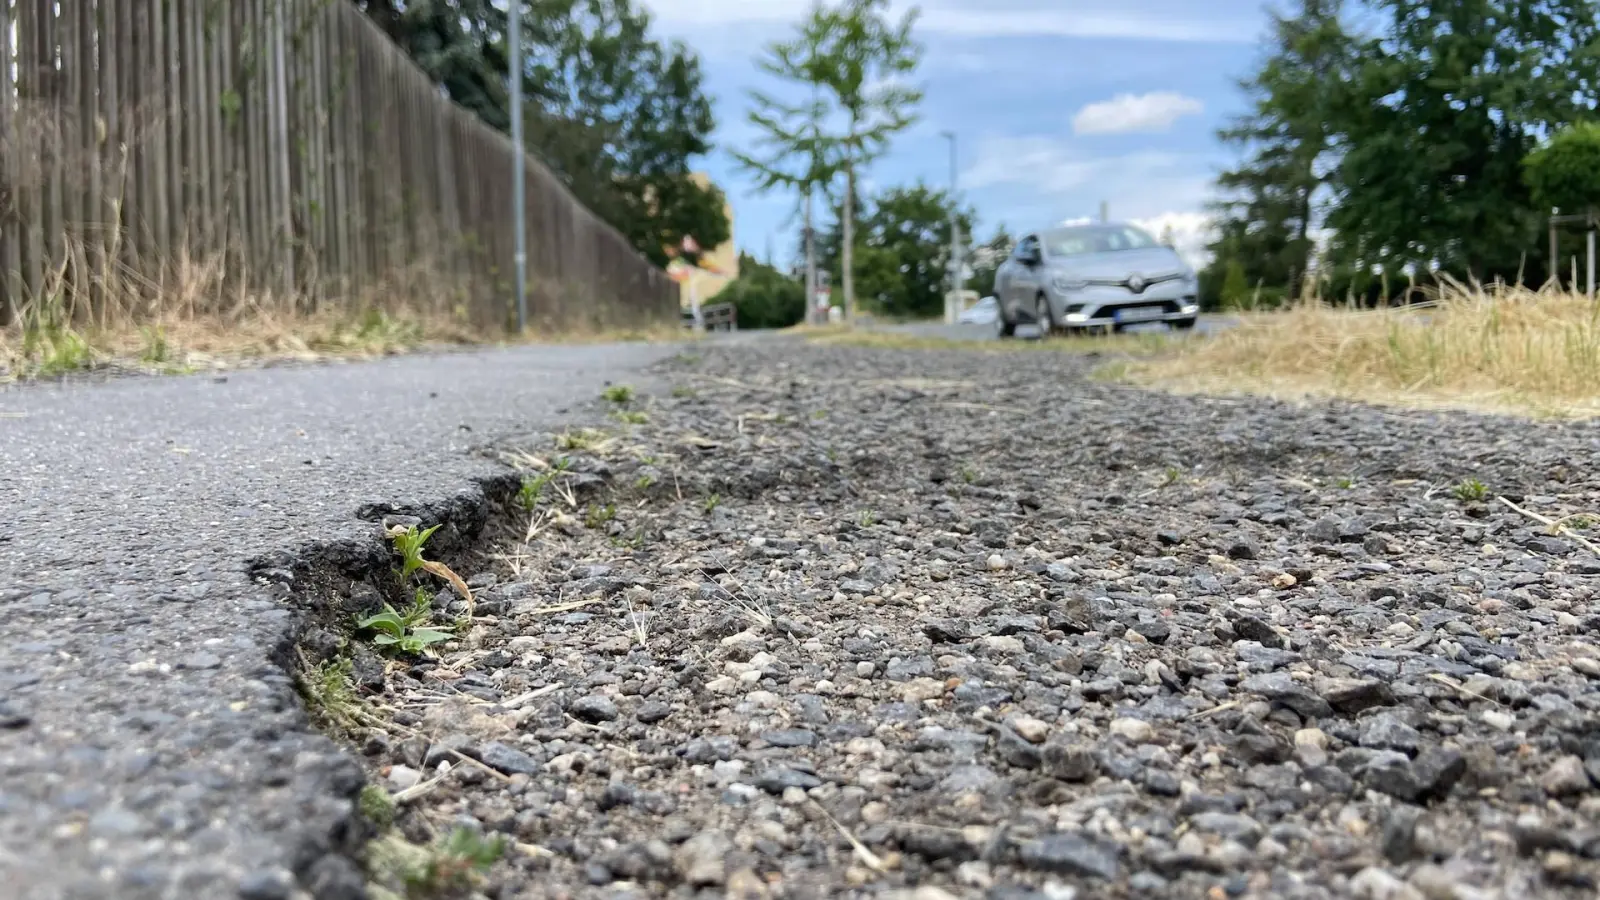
(1022, 634)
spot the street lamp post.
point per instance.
(518, 167)
(952, 303)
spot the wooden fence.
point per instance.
(290, 141)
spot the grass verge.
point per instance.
(1504, 350)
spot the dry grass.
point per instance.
(199, 317)
(1498, 350)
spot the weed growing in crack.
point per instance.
(712, 502)
(1171, 476)
(1470, 490)
(630, 416)
(457, 861)
(533, 486)
(1345, 483)
(868, 518)
(644, 482)
(618, 394)
(330, 695)
(408, 543)
(409, 631)
(451, 867)
(378, 806)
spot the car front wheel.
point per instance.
(1043, 317)
(1004, 328)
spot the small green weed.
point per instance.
(409, 631)
(618, 394)
(378, 806)
(330, 694)
(1171, 476)
(868, 518)
(644, 482)
(712, 502)
(533, 486)
(599, 516)
(58, 350)
(819, 414)
(969, 474)
(582, 439)
(156, 350)
(457, 859)
(684, 392)
(1470, 490)
(631, 416)
(1580, 522)
(1345, 483)
(408, 544)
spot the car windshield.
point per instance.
(1103, 239)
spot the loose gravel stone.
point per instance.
(877, 623)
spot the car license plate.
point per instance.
(1139, 314)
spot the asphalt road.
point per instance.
(151, 745)
(1207, 324)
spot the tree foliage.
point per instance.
(1565, 173)
(618, 115)
(1267, 204)
(763, 296)
(1409, 137)
(902, 250)
(854, 64)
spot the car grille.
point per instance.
(1149, 282)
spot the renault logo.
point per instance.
(1136, 283)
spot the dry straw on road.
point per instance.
(1494, 349)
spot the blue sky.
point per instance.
(1059, 104)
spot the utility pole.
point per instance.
(519, 167)
(812, 313)
(954, 300)
(1105, 211)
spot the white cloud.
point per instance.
(1132, 113)
(1105, 19)
(1046, 166)
(1191, 232)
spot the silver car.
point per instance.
(1102, 276)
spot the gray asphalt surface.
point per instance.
(151, 745)
(1207, 324)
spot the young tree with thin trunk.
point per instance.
(857, 63)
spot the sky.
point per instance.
(1058, 105)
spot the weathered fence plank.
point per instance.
(285, 142)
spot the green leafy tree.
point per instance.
(902, 250)
(1564, 173)
(1235, 285)
(856, 64)
(618, 115)
(1267, 206)
(763, 296)
(1434, 121)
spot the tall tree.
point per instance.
(1435, 121)
(792, 149)
(856, 64)
(867, 62)
(1268, 203)
(902, 250)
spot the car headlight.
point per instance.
(1063, 283)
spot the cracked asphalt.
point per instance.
(150, 747)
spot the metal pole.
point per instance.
(1591, 264)
(1555, 259)
(519, 167)
(813, 314)
(954, 299)
(1105, 211)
